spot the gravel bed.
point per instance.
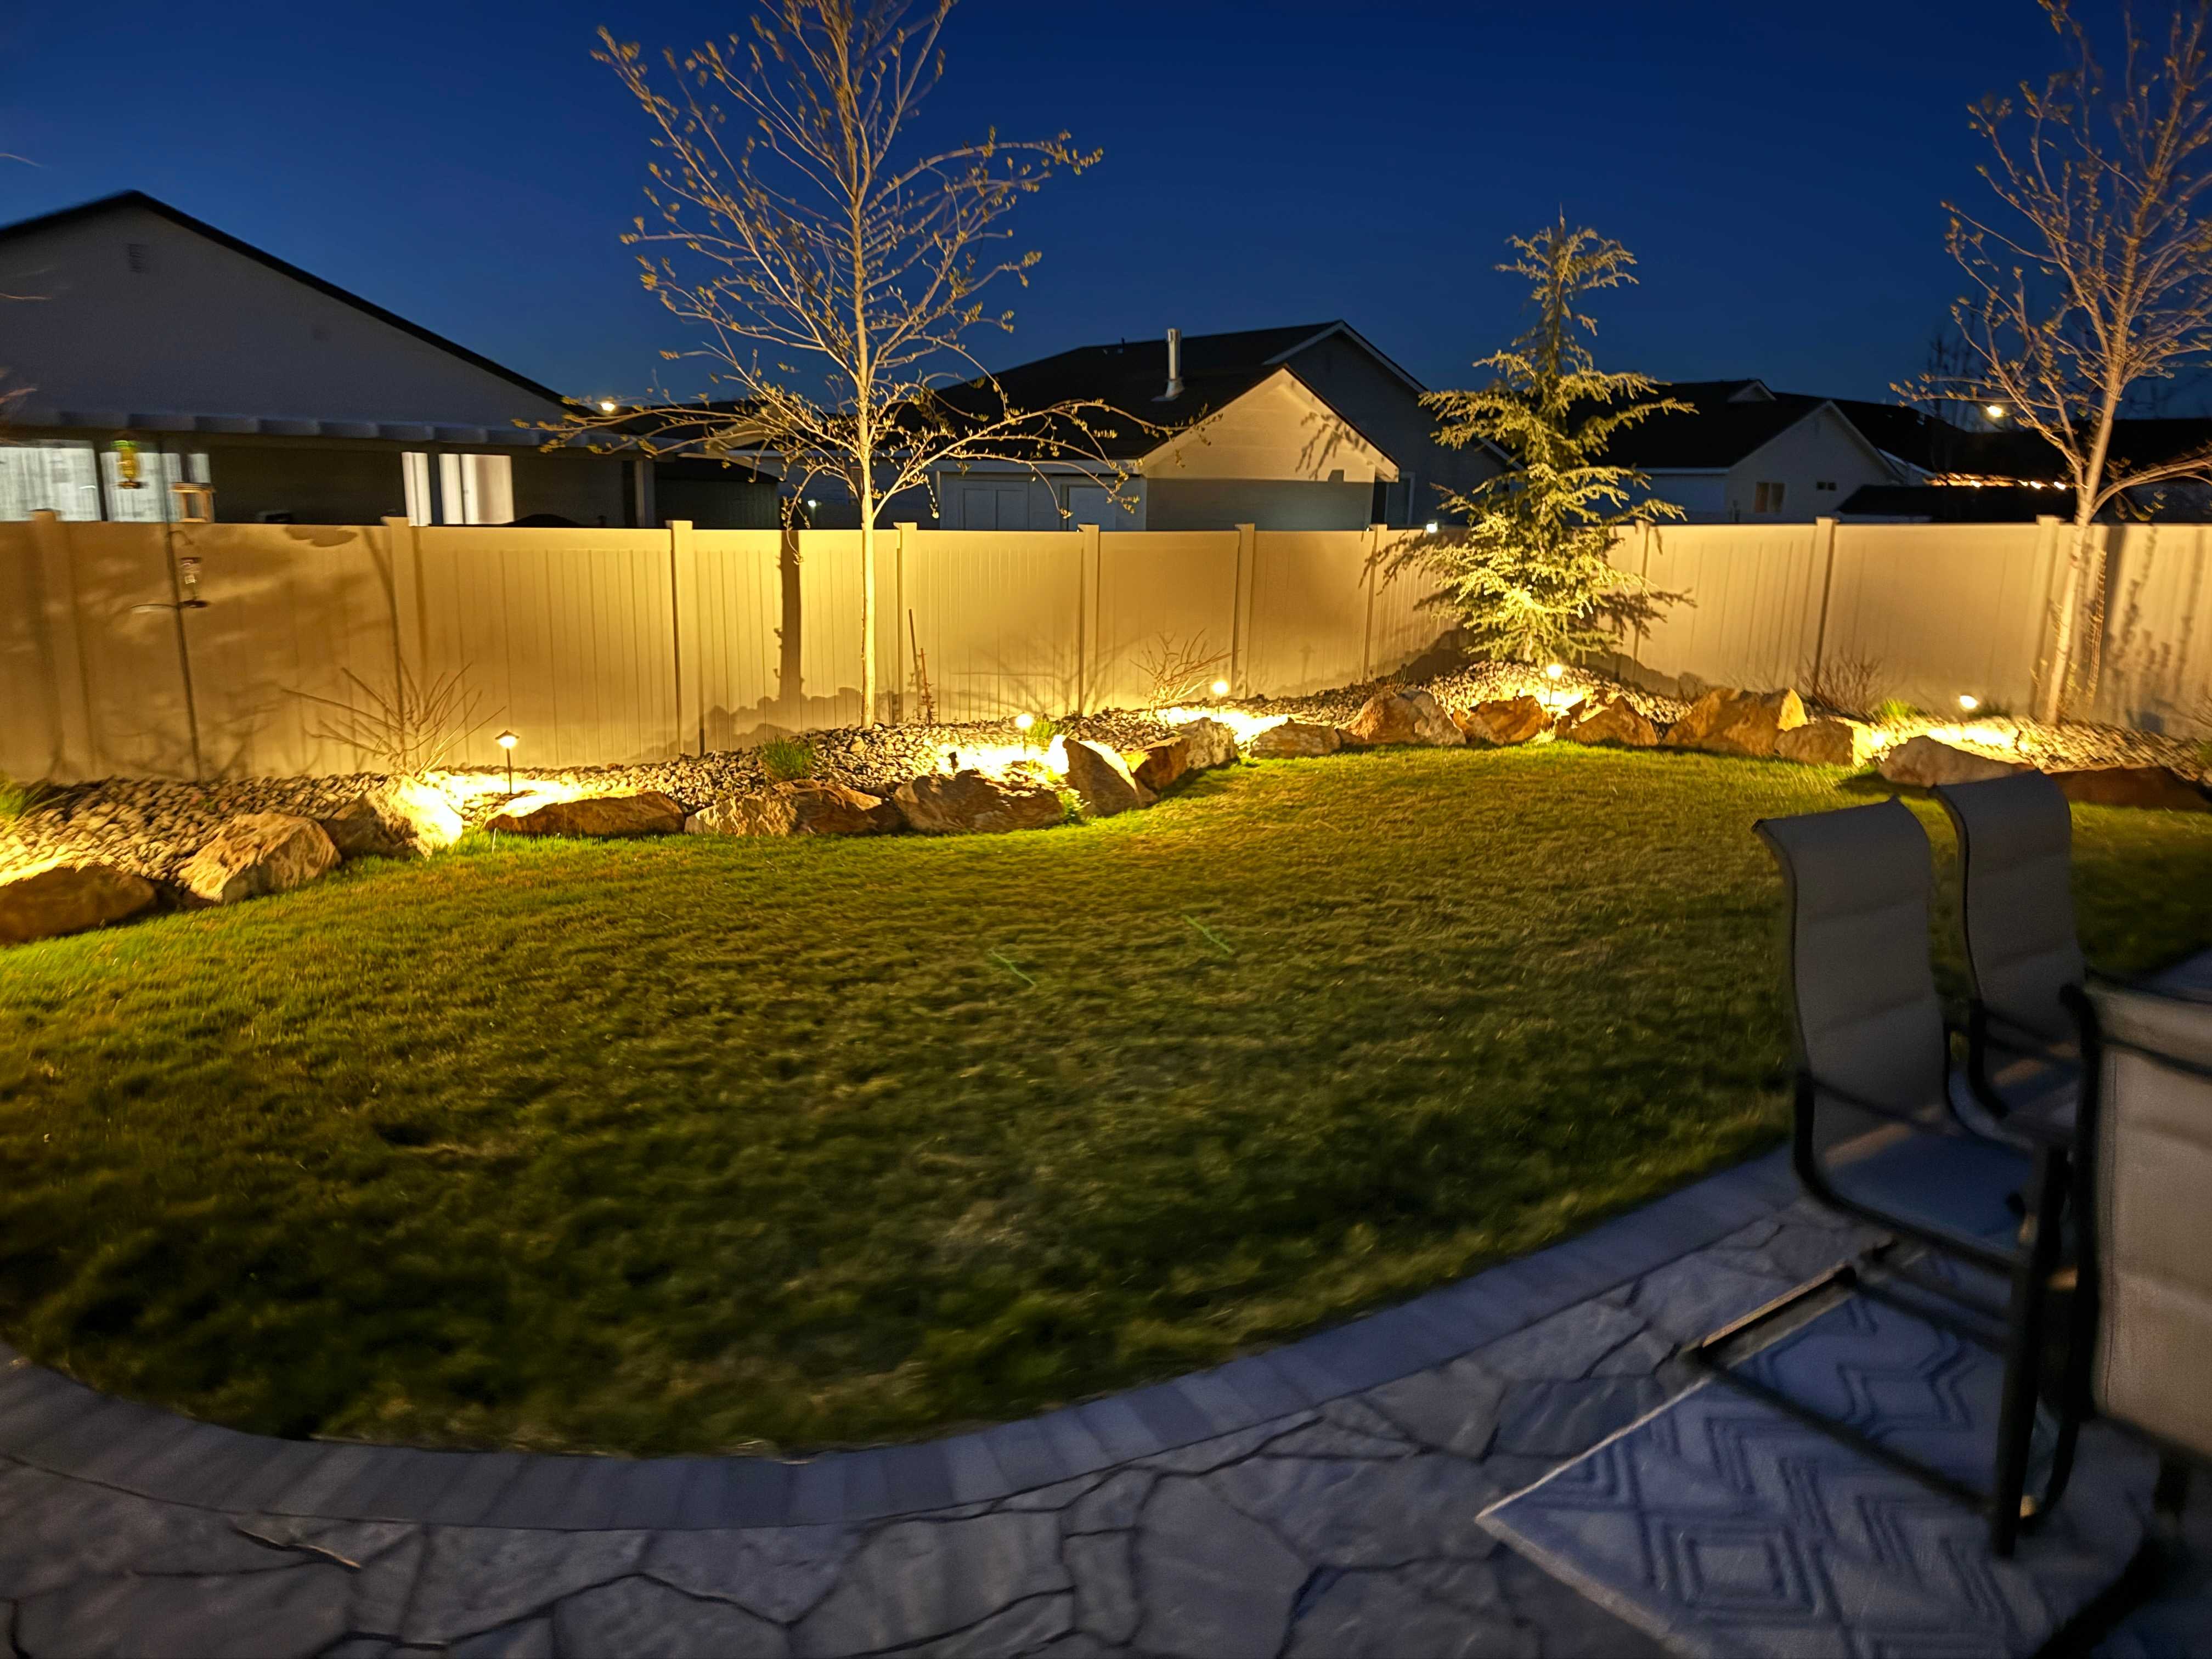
(153, 828)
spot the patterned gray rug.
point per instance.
(1729, 1529)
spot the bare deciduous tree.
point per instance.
(833, 279)
(2091, 283)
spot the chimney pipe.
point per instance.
(1175, 367)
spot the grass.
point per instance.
(711, 1143)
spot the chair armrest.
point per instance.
(2141, 986)
(2172, 1030)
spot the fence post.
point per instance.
(899, 670)
(1367, 627)
(68, 691)
(1824, 553)
(684, 630)
(1240, 601)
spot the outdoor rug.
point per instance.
(1728, 1528)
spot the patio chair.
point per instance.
(1877, 1134)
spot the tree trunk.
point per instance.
(868, 605)
(2065, 647)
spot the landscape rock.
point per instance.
(1209, 742)
(1102, 779)
(1826, 742)
(605, 816)
(808, 808)
(257, 854)
(1727, 722)
(1404, 717)
(1925, 762)
(1296, 740)
(431, 820)
(360, 830)
(972, 802)
(1163, 764)
(53, 899)
(2156, 787)
(1503, 721)
(1617, 722)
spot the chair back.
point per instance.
(2148, 1118)
(2016, 898)
(1868, 1022)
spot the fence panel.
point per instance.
(1402, 624)
(828, 692)
(2157, 656)
(1308, 605)
(1166, 601)
(1932, 612)
(1752, 612)
(566, 634)
(37, 691)
(738, 654)
(999, 614)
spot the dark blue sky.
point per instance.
(1777, 169)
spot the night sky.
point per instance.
(1778, 170)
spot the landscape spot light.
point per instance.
(506, 740)
(1555, 671)
(1221, 688)
(1022, 722)
(1968, 703)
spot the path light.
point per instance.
(1022, 722)
(1968, 703)
(1553, 670)
(1430, 528)
(1221, 688)
(506, 740)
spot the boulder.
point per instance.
(1296, 740)
(427, 813)
(257, 854)
(1726, 721)
(1163, 764)
(1617, 722)
(360, 830)
(2132, 786)
(808, 808)
(1925, 762)
(1104, 779)
(51, 899)
(1826, 742)
(1503, 720)
(605, 816)
(972, 802)
(1404, 717)
(1208, 743)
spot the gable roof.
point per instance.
(138, 199)
(1719, 429)
(1131, 376)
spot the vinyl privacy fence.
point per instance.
(194, 650)
(199, 650)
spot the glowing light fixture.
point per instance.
(1968, 703)
(506, 740)
(1430, 528)
(608, 405)
(1220, 688)
(1555, 671)
(1995, 411)
(1023, 722)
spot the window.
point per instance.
(458, 488)
(54, 475)
(152, 498)
(1829, 484)
(1766, 497)
(136, 259)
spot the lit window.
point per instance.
(54, 475)
(459, 488)
(1766, 497)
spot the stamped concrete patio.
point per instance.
(1320, 1499)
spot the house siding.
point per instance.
(1390, 412)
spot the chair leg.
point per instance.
(2170, 1495)
(2024, 1355)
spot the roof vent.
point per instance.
(1175, 367)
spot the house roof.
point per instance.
(1130, 375)
(138, 199)
(1724, 423)
(1952, 504)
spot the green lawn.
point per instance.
(708, 1144)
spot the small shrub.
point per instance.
(17, 798)
(1178, 672)
(1895, 711)
(1041, 734)
(1845, 683)
(406, 729)
(1070, 805)
(786, 760)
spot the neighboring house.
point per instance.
(2013, 476)
(1745, 454)
(163, 354)
(1302, 428)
